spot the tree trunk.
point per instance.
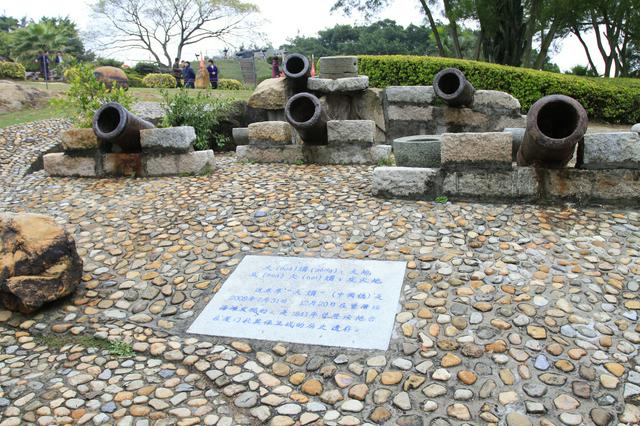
(576, 31)
(545, 44)
(453, 29)
(530, 32)
(434, 27)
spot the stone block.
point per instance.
(351, 131)
(417, 151)
(240, 135)
(636, 128)
(518, 136)
(79, 140)
(270, 94)
(170, 139)
(610, 151)
(197, 162)
(487, 185)
(568, 184)
(192, 163)
(483, 150)
(493, 101)
(336, 105)
(340, 85)
(123, 164)
(405, 182)
(616, 186)
(334, 67)
(368, 105)
(346, 154)
(404, 113)
(270, 132)
(414, 95)
(60, 164)
(289, 154)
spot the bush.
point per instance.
(13, 70)
(144, 68)
(202, 112)
(159, 81)
(108, 62)
(135, 81)
(229, 84)
(611, 100)
(70, 73)
(86, 94)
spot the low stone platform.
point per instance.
(520, 184)
(137, 164)
(318, 154)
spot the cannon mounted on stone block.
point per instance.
(453, 88)
(305, 113)
(118, 129)
(555, 125)
(297, 69)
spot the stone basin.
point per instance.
(417, 151)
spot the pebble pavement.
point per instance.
(510, 314)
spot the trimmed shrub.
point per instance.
(135, 81)
(201, 111)
(145, 68)
(229, 84)
(159, 81)
(611, 100)
(12, 70)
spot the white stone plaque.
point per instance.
(329, 302)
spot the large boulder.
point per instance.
(112, 76)
(16, 97)
(38, 261)
(270, 94)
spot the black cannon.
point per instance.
(305, 113)
(555, 125)
(118, 129)
(297, 69)
(452, 87)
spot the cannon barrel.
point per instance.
(451, 86)
(305, 113)
(297, 68)
(555, 125)
(118, 129)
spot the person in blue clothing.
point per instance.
(188, 75)
(213, 74)
(43, 60)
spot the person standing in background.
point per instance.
(213, 74)
(59, 59)
(275, 68)
(188, 75)
(43, 60)
(177, 72)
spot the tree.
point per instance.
(50, 34)
(615, 24)
(165, 27)
(380, 38)
(508, 28)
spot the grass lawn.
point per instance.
(229, 68)
(45, 111)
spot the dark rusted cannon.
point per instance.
(118, 129)
(297, 69)
(304, 112)
(555, 125)
(451, 86)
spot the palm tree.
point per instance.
(47, 35)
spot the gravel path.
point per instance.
(516, 315)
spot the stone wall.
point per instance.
(415, 110)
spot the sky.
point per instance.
(281, 20)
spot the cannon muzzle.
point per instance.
(118, 129)
(452, 87)
(555, 125)
(304, 112)
(297, 69)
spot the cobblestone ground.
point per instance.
(516, 315)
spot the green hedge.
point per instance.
(610, 100)
(12, 70)
(159, 81)
(229, 84)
